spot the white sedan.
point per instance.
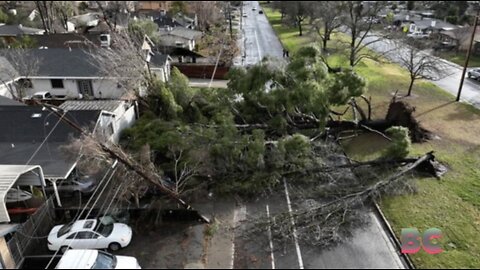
(89, 234)
(94, 259)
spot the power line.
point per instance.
(86, 205)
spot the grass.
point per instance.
(289, 37)
(451, 204)
(459, 58)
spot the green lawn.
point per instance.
(451, 204)
(459, 58)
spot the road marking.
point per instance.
(297, 246)
(258, 46)
(239, 215)
(269, 230)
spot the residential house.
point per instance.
(38, 137)
(116, 115)
(24, 143)
(179, 37)
(18, 30)
(430, 26)
(459, 39)
(73, 73)
(160, 66)
(10, 33)
(179, 20)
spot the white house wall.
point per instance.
(102, 88)
(4, 91)
(122, 121)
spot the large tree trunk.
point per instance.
(410, 87)
(300, 27)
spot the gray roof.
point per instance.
(7, 71)
(159, 60)
(28, 127)
(15, 30)
(181, 32)
(61, 62)
(89, 105)
(5, 101)
(439, 24)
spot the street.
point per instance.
(369, 247)
(258, 38)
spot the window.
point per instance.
(105, 261)
(84, 235)
(64, 230)
(104, 230)
(57, 83)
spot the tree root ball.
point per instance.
(400, 113)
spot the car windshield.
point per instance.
(104, 230)
(105, 261)
(64, 230)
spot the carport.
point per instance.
(18, 175)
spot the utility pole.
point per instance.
(468, 55)
(241, 14)
(230, 18)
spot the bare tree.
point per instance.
(111, 12)
(64, 10)
(297, 11)
(281, 6)
(22, 64)
(46, 9)
(208, 13)
(325, 18)
(419, 64)
(358, 20)
(127, 60)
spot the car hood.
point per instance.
(125, 262)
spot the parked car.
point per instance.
(95, 259)
(254, 8)
(474, 73)
(17, 195)
(418, 35)
(260, 11)
(45, 95)
(90, 234)
(85, 185)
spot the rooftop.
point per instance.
(16, 30)
(91, 105)
(60, 62)
(28, 127)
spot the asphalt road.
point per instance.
(369, 247)
(449, 81)
(258, 38)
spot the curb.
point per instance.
(405, 257)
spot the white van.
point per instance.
(95, 259)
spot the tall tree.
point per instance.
(297, 12)
(358, 21)
(325, 18)
(419, 64)
(64, 10)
